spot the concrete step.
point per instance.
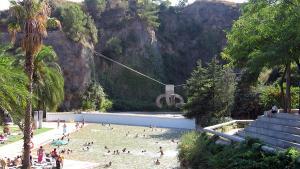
(276, 127)
(275, 134)
(287, 116)
(270, 140)
(279, 121)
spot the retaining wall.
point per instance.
(166, 121)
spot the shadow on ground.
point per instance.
(169, 134)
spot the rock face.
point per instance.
(168, 53)
(75, 60)
(192, 33)
(131, 42)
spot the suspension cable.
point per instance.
(129, 68)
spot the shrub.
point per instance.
(94, 98)
(106, 105)
(95, 7)
(199, 151)
(113, 47)
(270, 96)
(53, 24)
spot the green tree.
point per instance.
(148, 11)
(13, 88)
(210, 92)
(94, 98)
(95, 7)
(32, 17)
(266, 35)
(48, 80)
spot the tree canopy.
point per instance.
(265, 36)
(210, 92)
(13, 87)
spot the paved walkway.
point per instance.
(14, 149)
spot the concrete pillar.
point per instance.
(40, 119)
(35, 118)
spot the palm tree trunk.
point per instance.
(29, 66)
(282, 95)
(288, 88)
(2, 117)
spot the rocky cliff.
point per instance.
(76, 61)
(192, 33)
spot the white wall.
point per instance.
(167, 121)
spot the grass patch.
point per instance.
(17, 134)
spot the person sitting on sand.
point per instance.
(9, 162)
(18, 161)
(157, 162)
(54, 153)
(108, 165)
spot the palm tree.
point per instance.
(32, 15)
(13, 29)
(48, 80)
(13, 90)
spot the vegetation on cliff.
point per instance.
(79, 26)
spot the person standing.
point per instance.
(83, 121)
(40, 154)
(58, 159)
(274, 110)
(4, 163)
(58, 123)
(64, 128)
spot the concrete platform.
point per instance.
(281, 130)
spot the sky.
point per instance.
(4, 4)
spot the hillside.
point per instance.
(168, 52)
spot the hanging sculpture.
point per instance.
(172, 99)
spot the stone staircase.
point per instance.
(282, 130)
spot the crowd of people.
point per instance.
(56, 156)
(7, 162)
